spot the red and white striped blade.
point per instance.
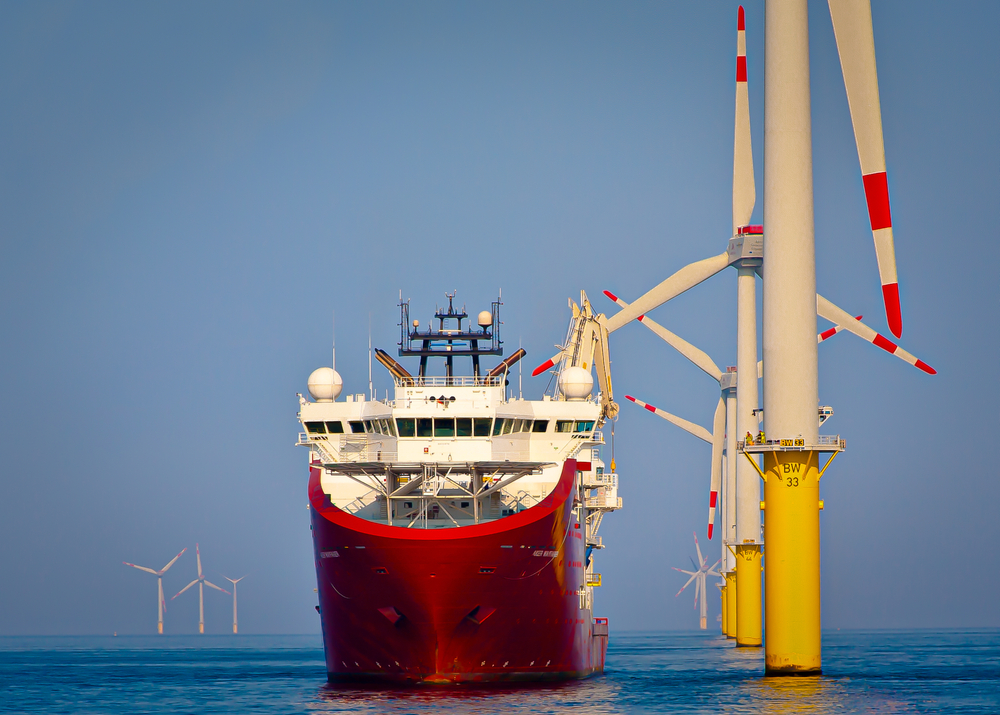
(687, 277)
(548, 364)
(688, 583)
(697, 430)
(827, 334)
(744, 190)
(184, 589)
(198, 552)
(828, 310)
(699, 357)
(164, 569)
(141, 568)
(852, 25)
(718, 436)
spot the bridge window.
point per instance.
(407, 426)
(463, 427)
(315, 428)
(335, 427)
(425, 427)
(517, 426)
(357, 427)
(527, 426)
(584, 426)
(481, 426)
(497, 426)
(540, 426)
(564, 425)
(507, 425)
(444, 427)
(391, 426)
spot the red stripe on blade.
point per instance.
(886, 345)
(877, 193)
(741, 68)
(740, 22)
(828, 333)
(611, 295)
(926, 368)
(542, 368)
(890, 294)
(712, 496)
(650, 408)
(629, 397)
(709, 532)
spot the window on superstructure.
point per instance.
(444, 426)
(564, 425)
(357, 427)
(315, 428)
(383, 427)
(507, 425)
(497, 427)
(406, 426)
(481, 426)
(463, 427)
(527, 426)
(425, 427)
(540, 426)
(517, 426)
(584, 426)
(391, 426)
(335, 427)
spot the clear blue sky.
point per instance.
(187, 191)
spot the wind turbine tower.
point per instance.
(202, 582)
(234, 582)
(160, 603)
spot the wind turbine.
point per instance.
(161, 605)
(234, 582)
(791, 382)
(698, 577)
(202, 582)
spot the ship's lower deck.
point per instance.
(500, 601)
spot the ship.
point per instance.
(455, 525)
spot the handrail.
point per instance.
(453, 381)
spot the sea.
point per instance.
(914, 671)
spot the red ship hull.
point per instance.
(499, 601)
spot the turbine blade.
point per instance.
(699, 357)
(693, 577)
(744, 190)
(697, 591)
(701, 559)
(827, 334)
(184, 589)
(548, 364)
(828, 310)
(217, 588)
(164, 569)
(697, 430)
(141, 568)
(684, 279)
(198, 552)
(689, 573)
(852, 26)
(718, 436)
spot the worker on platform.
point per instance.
(760, 437)
(749, 438)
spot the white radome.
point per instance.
(576, 383)
(485, 319)
(325, 384)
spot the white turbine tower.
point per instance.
(161, 605)
(202, 582)
(698, 577)
(234, 582)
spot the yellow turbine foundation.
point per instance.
(159, 628)
(748, 605)
(725, 623)
(731, 597)
(791, 578)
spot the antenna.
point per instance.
(333, 326)
(371, 389)
(520, 394)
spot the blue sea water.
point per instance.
(864, 672)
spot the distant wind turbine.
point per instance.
(202, 582)
(234, 582)
(160, 603)
(699, 583)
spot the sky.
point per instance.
(189, 191)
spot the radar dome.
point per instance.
(485, 319)
(325, 384)
(576, 383)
